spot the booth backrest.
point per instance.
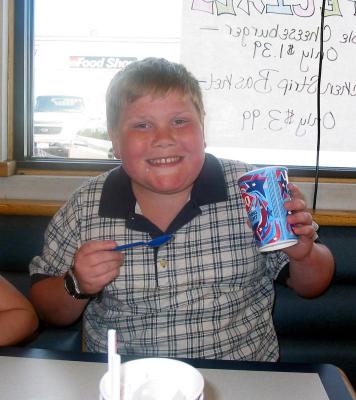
(20, 240)
(323, 329)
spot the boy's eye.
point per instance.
(179, 121)
(141, 125)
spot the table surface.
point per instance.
(42, 374)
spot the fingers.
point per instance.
(96, 245)
(99, 277)
(96, 265)
(302, 217)
(299, 216)
(295, 191)
(301, 221)
(304, 231)
(297, 201)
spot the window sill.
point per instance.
(44, 194)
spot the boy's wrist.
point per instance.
(72, 287)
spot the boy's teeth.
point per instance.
(167, 160)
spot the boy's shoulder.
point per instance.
(234, 167)
(89, 189)
(94, 183)
(84, 199)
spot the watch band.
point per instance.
(71, 285)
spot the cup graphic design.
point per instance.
(264, 192)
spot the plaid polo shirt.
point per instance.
(208, 293)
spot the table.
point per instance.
(27, 373)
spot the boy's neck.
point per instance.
(161, 209)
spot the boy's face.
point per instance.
(160, 141)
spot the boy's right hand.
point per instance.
(96, 265)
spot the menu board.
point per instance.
(258, 63)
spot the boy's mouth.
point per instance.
(164, 161)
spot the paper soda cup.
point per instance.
(264, 192)
(156, 379)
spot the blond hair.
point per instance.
(155, 76)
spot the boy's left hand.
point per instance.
(301, 220)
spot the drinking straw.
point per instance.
(114, 361)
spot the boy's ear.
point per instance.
(115, 143)
(204, 136)
(111, 133)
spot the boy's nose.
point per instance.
(164, 137)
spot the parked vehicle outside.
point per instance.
(57, 120)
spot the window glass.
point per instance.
(257, 63)
(259, 68)
(78, 47)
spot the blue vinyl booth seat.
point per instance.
(320, 330)
(21, 239)
(323, 329)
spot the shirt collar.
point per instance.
(118, 201)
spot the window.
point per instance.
(258, 64)
(71, 56)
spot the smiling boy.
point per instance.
(208, 293)
(160, 141)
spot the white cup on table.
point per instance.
(156, 379)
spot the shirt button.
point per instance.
(163, 263)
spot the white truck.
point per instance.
(56, 121)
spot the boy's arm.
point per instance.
(95, 265)
(53, 303)
(311, 275)
(18, 319)
(311, 264)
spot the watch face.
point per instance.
(72, 287)
(69, 284)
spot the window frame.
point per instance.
(23, 116)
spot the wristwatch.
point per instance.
(71, 285)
